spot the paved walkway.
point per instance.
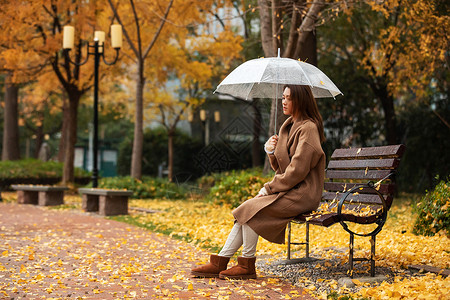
(46, 253)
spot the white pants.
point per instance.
(240, 235)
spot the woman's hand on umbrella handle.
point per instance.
(271, 144)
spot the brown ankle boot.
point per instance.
(245, 269)
(216, 265)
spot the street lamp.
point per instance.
(97, 50)
(205, 120)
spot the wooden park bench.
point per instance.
(360, 189)
(40, 194)
(106, 202)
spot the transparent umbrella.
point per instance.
(261, 78)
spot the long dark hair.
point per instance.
(304, 106)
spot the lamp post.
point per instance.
(205, 121)
(95, 49)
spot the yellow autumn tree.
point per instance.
(40, 112)
(19, 62)
(153, 30)
(401, 47)
(407, 51)
(32, 43)
(413, 46)
(194, 61)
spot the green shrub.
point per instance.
(235, 187)
(434, 211)
(206, 182)
(146, 188)
(34, 168)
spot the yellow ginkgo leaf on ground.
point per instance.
(23, 269)
(357, 282)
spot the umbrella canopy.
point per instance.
(265, 77)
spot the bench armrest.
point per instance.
(380, 220)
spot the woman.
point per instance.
(299, 163)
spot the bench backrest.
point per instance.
(350, 167)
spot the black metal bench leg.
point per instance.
(350, 255)
(289, 260)
(289, 241)
(307, 240)
(372, 256)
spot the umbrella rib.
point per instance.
(310, 84)
(249, 90)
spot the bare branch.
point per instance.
(138, 28)
(163, 116)
(125, 32)
(441, 118)
(161, 25)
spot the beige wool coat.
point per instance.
(299, 165)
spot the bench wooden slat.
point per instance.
(374, 152)
(330, 218)
(332, 206)
(390, 163)
(359, 198)
(357, 174)
(345, 186)
(362, 210)
(322, 220)
(360, 219)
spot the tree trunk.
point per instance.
(64, 131)
(308, 49)
(266, 28)
(136, 157)
(380, 89)
(256, 145)
(39, 132)
(11, 149)
(390, 121)
(276, 27)
(171, 135)
(71, 138)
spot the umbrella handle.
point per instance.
(276, 101)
